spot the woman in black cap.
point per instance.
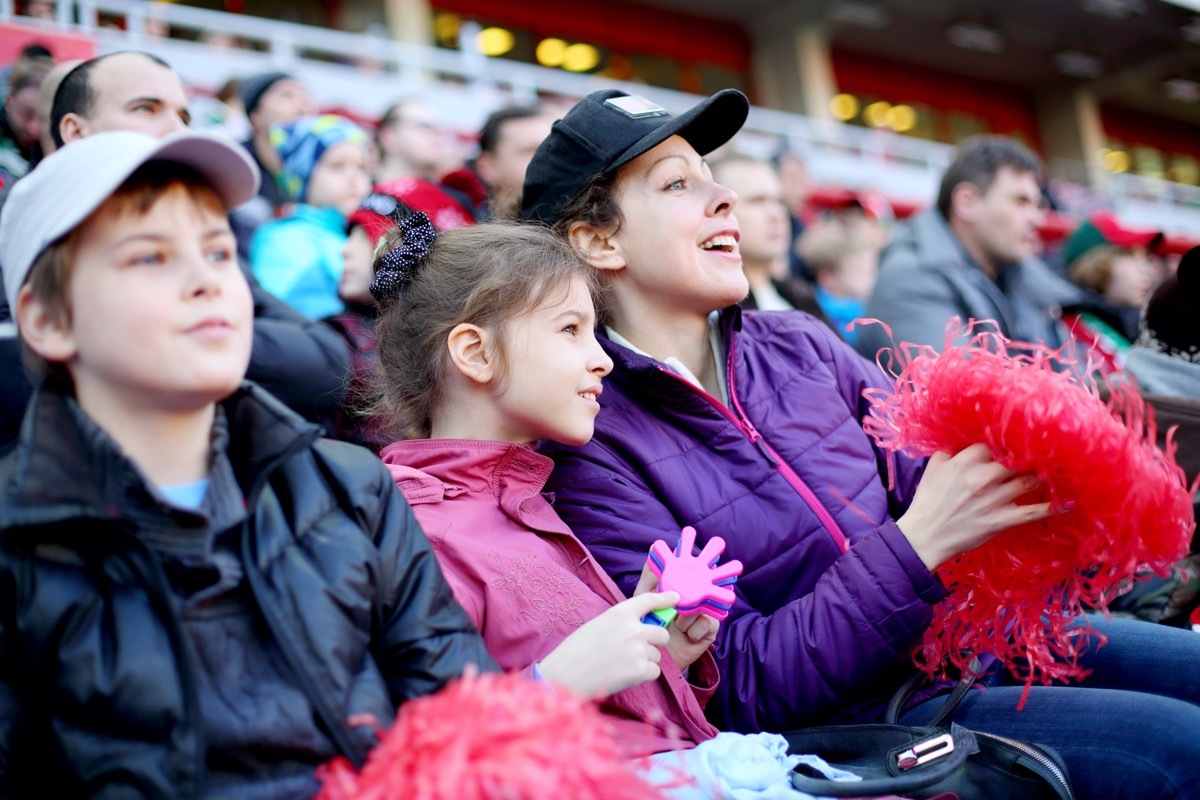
(747, 426)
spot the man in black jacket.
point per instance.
(199, 597)
(302, 362)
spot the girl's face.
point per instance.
(1132, 276)
(679, 238)
(340, 178)
(554, 367)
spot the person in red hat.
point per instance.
(1115, 266)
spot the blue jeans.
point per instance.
(1130, 730)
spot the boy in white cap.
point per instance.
(198, 596)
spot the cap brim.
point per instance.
(706, 126)
(71, 183)
(223, 164)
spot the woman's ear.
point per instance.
(596, 247)
(470, 349)
(45, 330)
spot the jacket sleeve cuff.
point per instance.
(927, 585)
(703, 678)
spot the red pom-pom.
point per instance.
(492, 737)
(1017, 595)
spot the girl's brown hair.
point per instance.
(488, 275)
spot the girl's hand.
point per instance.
(614, 651)
(690, 638)
(963, 501)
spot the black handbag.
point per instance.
(929, 760)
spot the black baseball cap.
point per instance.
(609, 128)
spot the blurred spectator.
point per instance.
(507, 142)
(364, 230)
(793, 176)
(411, 154)
(131, 91)
(302, 362)
(409, 143)
(268, 99)
(30, 54)
(765, 236)
(222, 113)
(45, 103)
(323, 165)
(1112, 263)
(41, 9)
(973, 256)
(1165, 360)
(20, 146)
(844, 259)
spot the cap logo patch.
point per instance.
(636, 107)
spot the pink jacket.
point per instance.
(525, 579)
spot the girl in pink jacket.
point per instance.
(486, 345)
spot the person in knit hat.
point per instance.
(268, 99)
(1115, 266)
(323, 168)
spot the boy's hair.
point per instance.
(489, 276)
(50, 276)
(977, 162)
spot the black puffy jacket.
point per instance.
(97, 694)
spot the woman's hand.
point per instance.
(963, 501)
(614, 651)
(690, 637)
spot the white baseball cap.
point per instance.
(72, 182)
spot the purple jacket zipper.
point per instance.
(747, 428)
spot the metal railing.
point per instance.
(366, 73)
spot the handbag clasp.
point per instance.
(923, 752)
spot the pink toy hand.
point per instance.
(702, 586)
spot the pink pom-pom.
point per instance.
(1018, 595)
(492, 737)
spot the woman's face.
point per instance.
(1133, 274)
(679, 238)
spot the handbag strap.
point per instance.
(896, 707)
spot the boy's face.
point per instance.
(340, 178)
(161, 316)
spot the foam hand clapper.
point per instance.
(703, 587)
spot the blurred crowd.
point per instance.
(332, 190)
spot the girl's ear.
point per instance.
(45, 330)
(596, 247)
(470, 349)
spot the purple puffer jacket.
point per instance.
(821, 631)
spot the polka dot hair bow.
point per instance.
(399, 265)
